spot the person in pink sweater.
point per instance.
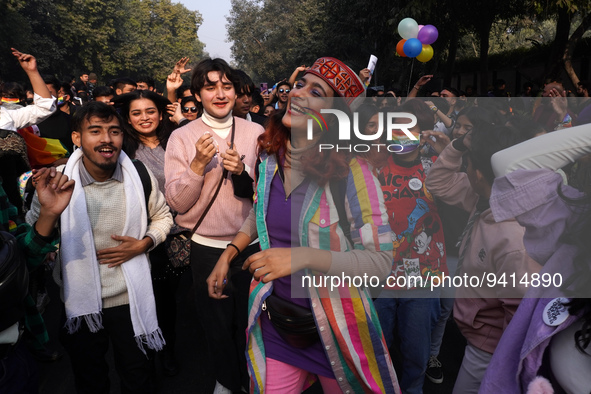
(487, 248)
(198, 155)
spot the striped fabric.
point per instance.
(42, 151)
(346, 319)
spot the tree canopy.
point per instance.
(109, 37)
(273, 37)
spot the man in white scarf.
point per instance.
(106, 232)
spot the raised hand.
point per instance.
(179, 67)
(423, 80)
(27, 62)
(364, 75)
(174, 81)
(436, 139)
(54, 190)
(174, 110)
(232, 160)
(205, 151)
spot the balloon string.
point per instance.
(410, 77)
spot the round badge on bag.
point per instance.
(556, 312)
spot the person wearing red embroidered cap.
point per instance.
(312, 224)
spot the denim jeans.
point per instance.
(414, 319)
(447, 305)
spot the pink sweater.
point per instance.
(496, 249)
(189, 194)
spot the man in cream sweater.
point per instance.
(106, 232)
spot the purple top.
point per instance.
(282, 224)
(531, 197)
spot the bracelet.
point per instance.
(235, 247)
(416, 87)
(434, 108)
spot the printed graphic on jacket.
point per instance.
(418, 233)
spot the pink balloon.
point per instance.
(428, 34)
(421, 26)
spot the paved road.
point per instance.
(196, 375)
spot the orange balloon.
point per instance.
(399, 47)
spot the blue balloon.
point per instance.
(412, 47)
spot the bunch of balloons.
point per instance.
(416, 40)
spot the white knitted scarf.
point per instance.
(80, 271)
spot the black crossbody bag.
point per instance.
(294, 323)
(178, 246)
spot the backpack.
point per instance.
(14, 281)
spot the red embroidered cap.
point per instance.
(339, 76)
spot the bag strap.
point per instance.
(217, 190)
(144, 177)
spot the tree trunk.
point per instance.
(570, 48)
(451, 57)
(554, 63)
(484, 35)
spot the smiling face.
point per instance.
(310, 95)
(190, 110)
(101, 141)
(144, 117)
(217, 95)
(283, 92)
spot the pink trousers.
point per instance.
(283, 378)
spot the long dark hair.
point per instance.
(578, 235)
(132, 138)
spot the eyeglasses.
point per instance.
(189, 109)
(284, 90)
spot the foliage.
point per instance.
(109, 37)
(269, 41)
(271, 38)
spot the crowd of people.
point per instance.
(122, 189)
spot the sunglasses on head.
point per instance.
(284, 90)
(189, 109)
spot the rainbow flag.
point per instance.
(42, 151)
